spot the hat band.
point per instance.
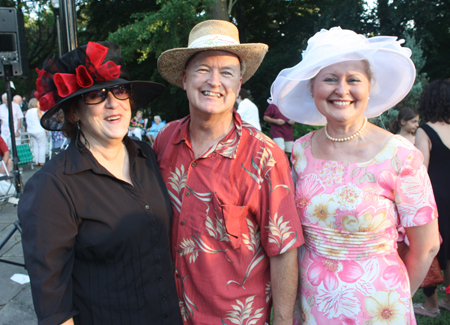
(213, 41)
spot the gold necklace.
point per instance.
(347, 138)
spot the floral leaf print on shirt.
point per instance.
(347, 196)
(266, 162)
(196, 245)
(253, 243)
(186, 306)
(387, 308)
(177, 182)
(242, 313)
(268, 292)
(279, 232)
(322, 210)
(387, 152)
(216, 229)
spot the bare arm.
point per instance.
(274, 120)
(424, 245)
(284, 279)
(423, 143)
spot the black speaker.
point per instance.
(13, 45)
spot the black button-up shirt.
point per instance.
(97, 248)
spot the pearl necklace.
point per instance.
(347, 138)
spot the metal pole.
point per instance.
(58, 32)
(71, 24)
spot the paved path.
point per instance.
(16, 305)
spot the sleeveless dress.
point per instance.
(439, 172)
(350, 272)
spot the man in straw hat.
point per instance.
(235, 228)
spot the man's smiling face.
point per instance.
(212, 82)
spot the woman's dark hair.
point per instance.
(405, 114)
(435, 102)
(70, 128)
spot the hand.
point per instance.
(280, 121)
(17, 133)
(291, 122)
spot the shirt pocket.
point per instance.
(235, 222)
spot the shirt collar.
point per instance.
(227, 147)
(78, 160)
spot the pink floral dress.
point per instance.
(350, 272)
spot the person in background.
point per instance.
(153, 131)
(4, 117)
(236, 231)
(247, 109)
(356, 182)
(137, 125)
(281, 129)
(433, 140)
(24, 108)
(37, 133)
(96, 218)
(6, 157)
(406, 124)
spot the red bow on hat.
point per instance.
(67, 83)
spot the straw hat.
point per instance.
(211, 35)
(392, 69)
(93, 66)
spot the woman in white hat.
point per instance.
(355, 182)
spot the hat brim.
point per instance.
(393, 74)
(143, 92)
(171, 63)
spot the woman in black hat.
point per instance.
(96, 218)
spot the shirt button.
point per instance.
(157, 262)
(166, 315)
(194, 164)
(180, 250)
(159, 279)
(182, 223)
(163, 297)
(178, 276)
(155, 243)
(147, 207)
(188, 193)
(152, 224)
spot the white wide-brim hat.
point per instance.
(392, 70)
(210, 35)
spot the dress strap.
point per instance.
(433, 135)
(346, 245)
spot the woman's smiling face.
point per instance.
(341, 91)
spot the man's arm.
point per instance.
(274, 120)
(284, 280)
(19, 125)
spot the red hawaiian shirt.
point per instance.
(233, 209)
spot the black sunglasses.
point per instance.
(120, 92)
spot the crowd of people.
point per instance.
(210, 224)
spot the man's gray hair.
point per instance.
(17, 99)
(4, 97)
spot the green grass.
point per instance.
(423, 320)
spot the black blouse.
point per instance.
(97, 248)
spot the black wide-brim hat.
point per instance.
(93, 66)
